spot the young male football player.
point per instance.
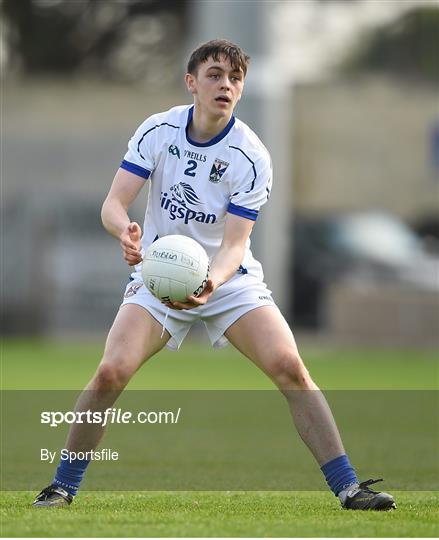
(209, 176)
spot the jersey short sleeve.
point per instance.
(253, 189)
(139, 158)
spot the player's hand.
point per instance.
(130, 243)
(195, 301)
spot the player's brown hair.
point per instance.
(215, 49)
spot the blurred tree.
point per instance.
(61, 37)
(408, 47)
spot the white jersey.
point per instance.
(194, 185)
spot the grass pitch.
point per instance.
(45, 365)
(207, 514)
(38, 365)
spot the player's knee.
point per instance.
(110, 376)
(289, 371)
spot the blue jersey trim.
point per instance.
(135, 169)
(213, 141)
(253, 167)
(149, 131)
(242, 211)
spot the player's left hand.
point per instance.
(195, 301)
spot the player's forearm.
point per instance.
(114, 217)
(225, 263)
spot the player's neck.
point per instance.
(204, 127)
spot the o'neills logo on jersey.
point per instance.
(174, 150)
(178, 201)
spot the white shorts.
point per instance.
(232, 300)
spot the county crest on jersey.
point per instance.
(218, 169)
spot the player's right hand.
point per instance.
(130, 243)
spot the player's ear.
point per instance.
(190, 83)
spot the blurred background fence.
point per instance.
(356, 150)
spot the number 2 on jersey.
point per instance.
(192, 166)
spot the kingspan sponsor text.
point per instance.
(110, 415)
(178, 211)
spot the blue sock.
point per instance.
(69, 474)
(339, 474)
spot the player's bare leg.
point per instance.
(264, 337)
(134, 337)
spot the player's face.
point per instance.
(217, 87)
